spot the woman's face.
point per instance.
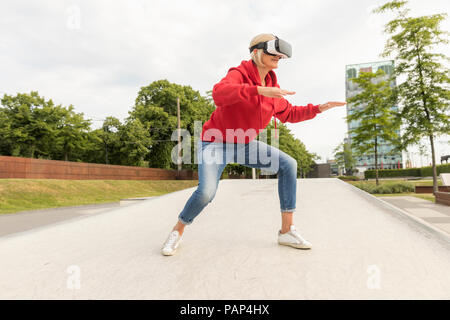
(269, 61)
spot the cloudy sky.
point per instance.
(97, 54)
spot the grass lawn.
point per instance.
(426, 196)
(415, 182)
(28, 194)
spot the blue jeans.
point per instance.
(212, 158)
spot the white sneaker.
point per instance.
(171, 244)
(293, 238)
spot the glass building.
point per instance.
(367, 161)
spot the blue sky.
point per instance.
(96, 54)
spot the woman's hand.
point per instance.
(273, 92)
(330, 105)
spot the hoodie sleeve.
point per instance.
(232, 89)
(293, 114)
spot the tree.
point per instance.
(34, 127)
(94, 148)
(31, 125)
(135, 143)
(425, 93)
(156, 109)
(339, 156)
(109, 135)
(71, 134)
(372, 109)
(160, 125)
(344, 157)
(5, 129)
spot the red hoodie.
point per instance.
(239, 106)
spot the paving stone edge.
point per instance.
(440, 234)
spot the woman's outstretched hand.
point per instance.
(273, 92)
(330, 105)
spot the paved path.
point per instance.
(362, 250)
(436, 214)
(28, 220)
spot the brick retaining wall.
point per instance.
(27, 168)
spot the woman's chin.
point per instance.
(271, 65)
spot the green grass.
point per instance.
(425, 196)
(415, 182)
(29, 194)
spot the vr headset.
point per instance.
(276, 47)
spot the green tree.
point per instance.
(135, 143)
(425, 93)
(156, 109)
(339, 155)
(71, 134)
(94, 148)
(5, 129)
(160, 125)
(118, 143)
(344, 157)
(109, 136)
(31, 125)
(372, 108)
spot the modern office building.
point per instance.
(367, 161)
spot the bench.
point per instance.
(445, 178)
(444, 197)
(429, 189)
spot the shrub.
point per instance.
(440, 168)
(410, 172)
(352, 178)
(385, 173)
(365, 186)
(385, 188)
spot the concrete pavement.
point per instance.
(361, 250)
(28, 220)
(434, 214)
(32, 219)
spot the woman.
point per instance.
(246, 99)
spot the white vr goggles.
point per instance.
(276, 47)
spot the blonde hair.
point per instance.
(257, 39)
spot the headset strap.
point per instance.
(257, 46)
(261, 44)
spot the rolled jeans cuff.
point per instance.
(288, 210)
(184, 222)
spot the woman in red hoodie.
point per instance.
(246, 99)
